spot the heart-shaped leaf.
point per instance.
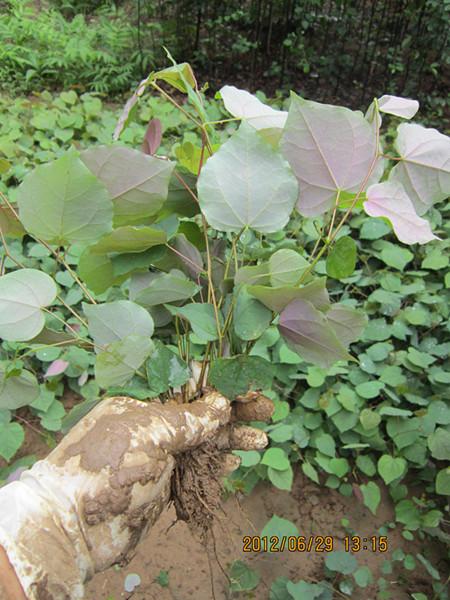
(114, 321)
(331, 149)
(372, 496)
(138, 183)
(247, 184)
(165, 369)
(63, 202)
(424, 168)
(23, 295)
(390, 200)
(391, 468)
(308, 332)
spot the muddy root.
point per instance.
(196, 487)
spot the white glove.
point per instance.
(89, 503)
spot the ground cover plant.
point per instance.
(204, 257)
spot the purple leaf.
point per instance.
(189, 255)
(308, 332)
(56, 368)
(389, 199)
(15, 475)
(152, 137)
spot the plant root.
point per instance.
(196, 487)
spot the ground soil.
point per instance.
(196, 572)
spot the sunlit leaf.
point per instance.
(23, 295)
(12, 437)
(247, 184)
(400, 107)
(424, 169)
(389, 199)
(243, 105)
(63, 202)
(308, 332)
(330, 149)
(138, 183)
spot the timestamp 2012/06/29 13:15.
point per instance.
(313, 543)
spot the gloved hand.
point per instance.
(89, 503)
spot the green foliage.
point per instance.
(45, 49)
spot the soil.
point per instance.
(198, 571)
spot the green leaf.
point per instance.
(202, 318)
(23, 295)
(363, 576)
(165, 288)
(278, 298)
(391, 468)
(286, 267)
(62, 202)
(308, 332)
(325, 443)
(429, 567)
(250, 317)
(129, 239)
(341, 259)
(119, 361)
(369, 389)
(366, 465)
(242, 578)
(439, 444)
(275, 458)
(279, 527)
(18, 390)
(339, 466)
(249, 458)
(443, 482)
(310, 471)
(372, 496)
(312, 591)
(96, 271)
(281, 479)
(237, 375)
(393, 255)
(113, 321)
(137, 183)
(12, 437)
(341, 562)
(165, 369)
(260, 195)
